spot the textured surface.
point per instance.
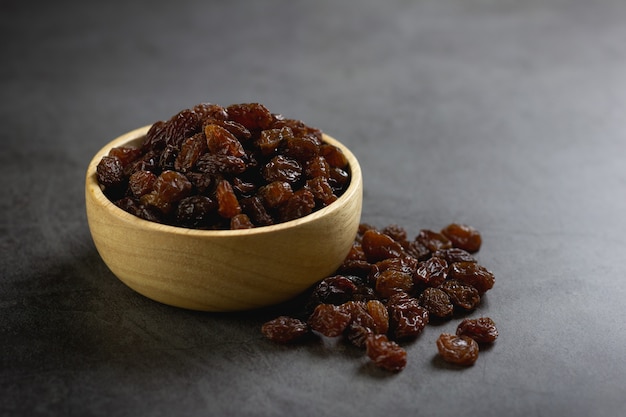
(507, 115)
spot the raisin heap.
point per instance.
(390, 287)
(235, 167)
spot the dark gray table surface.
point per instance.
(506, 115)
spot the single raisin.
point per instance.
(407, 318)
(378, 246)
(282, 168)
(141, 182)
(180, 126)
(220, 164)
(463, 237)
(196, 211)
(380, 316)
(385, 353)
(329, 320)
(452, 255)
(221, 142)
(271, 139)
(241, 221)
(285, 329)
(275, 193)
(460, 350)
(433, 240)
(172, 186)
(437, 302)
(190, 151)
(110, 172)
(462, 296)
(431, 273)
(256, 211)
(253, 116)
(474, 274)
(227, 203)
(391, 281)
(333, 155)
(322, 191)
(317, 167)
(300, 204)
(482, 329)
(125, 154)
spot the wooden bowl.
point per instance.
(225, 270)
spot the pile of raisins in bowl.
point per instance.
(389, 288)
(235, 167)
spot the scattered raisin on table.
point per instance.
(460, 350)
(284, 329)
(261, 168)
(482, 329)
(390, 287)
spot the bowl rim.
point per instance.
(94, 188)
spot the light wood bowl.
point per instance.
(226, 270)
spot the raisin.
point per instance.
(321, 190)
(437, 302)
(301, 148)
(110, 172)
(221, 142)
(298, 127)
(433, 240)
(300, 204)
(254, 208)
(195, 211)
(333, 155)
(167, 160)
(460, 350)
(243, 188)
(431, 273)
(338, 178)
(452, 255)
(141, 182)
(407, 318)
(335, 290)
(190, 151)
(253, 116)
(227, 203)
(397, 233)
(463, 237)
(378, 246)
(317, 167)
(405, 264)
(236, 129)
(240, 221)
(385, 353)
(220, 164)
(282, 168)
(361, 323)
(416, 250)
(473, 274)
(201, 181)
(209, 112)
(271, 139)
(285, 329)
(482, 330)
(182, 125)
(275, 193)
(172, 186)
(391, 281)
(125, 154)
(462, 296)
(329, 320)
(155, 137)
(380, 316)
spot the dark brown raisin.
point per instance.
(221, 142)
(385, 353)
(182, 125)
(227, 203)
(240, 221)
(196, 211)
(482, 329)
(253, 116)
(462, 296)
(155, 137)
(300, 204)
(125, 154)
(256, 211)
(201, 181)
(110, 172)
(391, 281)
(437, 302)
(141, 182)
(333, 155)
(317, 167)
(329, 320)
(431, 273)
(172, 186)
(474, 274)
(460, 350)
(285, 329)
(336, 290)
(220, 164)
(433, 240)
(167, 159)
(463, 237)
(298, 127)
(380, 316)
(378, 246)
(301, 148)
(275, 193)
(407, 318)
(452, 255)
(271, 139)
(209, 112)
(282, 168)
(190, 151)
(322, 191)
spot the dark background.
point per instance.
(506, 115)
